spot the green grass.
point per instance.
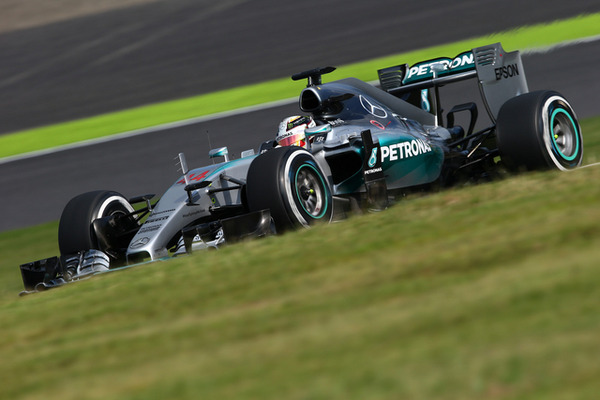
(488, 291)
(151, 115)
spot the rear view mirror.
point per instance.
(220, 152)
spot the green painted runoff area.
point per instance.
(529, 37)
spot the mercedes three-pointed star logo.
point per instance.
(371, 108)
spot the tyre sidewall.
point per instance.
(556, 106)
(298, 161)
(75, 232)
(525, 132)
(271, 185)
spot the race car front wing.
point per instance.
(57, 271)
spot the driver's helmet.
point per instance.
(291, 131)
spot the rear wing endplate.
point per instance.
(501, 76)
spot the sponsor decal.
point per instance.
(194, 177)
(139, 243)
(155, 213)
(402, 150)
(507, 71)
(157, 219)
(149, 229)
(444, 66)
(298, 121)
(372, 108)
(373, 171)
(191, 214)
(377, 124)
(336, 122)
(373, 158)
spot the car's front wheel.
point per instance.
(78, 231)
(289, 182)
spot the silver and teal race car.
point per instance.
(369, 144)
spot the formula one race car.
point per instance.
(362, 146)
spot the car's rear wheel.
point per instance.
(539, 130)
(77, 231)
(289, 182)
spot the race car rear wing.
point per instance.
(500, 76)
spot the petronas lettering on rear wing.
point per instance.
(500, 75)
(439, 67)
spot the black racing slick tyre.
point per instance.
(289, 182)
(75, 230)
(539, 130)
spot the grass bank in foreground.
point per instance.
(480, 292)
(104, 125)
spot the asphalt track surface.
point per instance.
(35, 190)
